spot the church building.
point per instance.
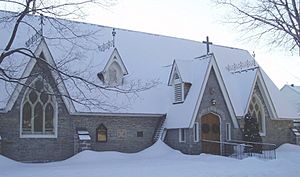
(107, 89)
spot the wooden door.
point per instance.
(210, 134)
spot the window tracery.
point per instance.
(38, 109)
(256, 110)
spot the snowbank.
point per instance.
(158, 160)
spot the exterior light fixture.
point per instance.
(213, 102)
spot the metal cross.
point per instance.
(114, 34)
(42, 24)
(207, 44)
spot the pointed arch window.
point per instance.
(38, 110)
(101, 133)
(112, 75)
(256, 109)
(115, 75)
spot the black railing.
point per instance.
(239, 149)
(228, 149)
(260, 150)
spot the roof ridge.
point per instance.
(295, 88)
(128, 30)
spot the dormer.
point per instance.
(114, 70)
(181, 88)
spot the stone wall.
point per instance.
(0, 145)
(212, 91)
(121, 131)
(33, 149)
(172, 139)
(122, 136)
(277, 131)
(36, 149)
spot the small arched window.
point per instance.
(38, 110)
(115, 74)
(256, 110)
(101, 133)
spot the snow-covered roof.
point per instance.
(198, 70)
(148, 59)
(292, 93)
(296, 88)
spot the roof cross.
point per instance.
(207, 44)
(42, 24)
(113, 34)
(108, 44)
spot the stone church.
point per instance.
(122, 90)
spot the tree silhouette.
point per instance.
(276, 21)
(251, 133)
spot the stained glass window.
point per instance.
(26, 117)
(38, 111)
(256, 110)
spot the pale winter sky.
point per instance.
(194, 19)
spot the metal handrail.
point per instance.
(268, 150)
(230, 149)
(242, 149)
(251, 142)
(225, 142)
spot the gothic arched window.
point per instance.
(38, 110)
(256, 110)
(115, 74)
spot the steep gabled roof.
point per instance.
(41, 48)
(181, 115)
(294, 88)
(184, 115)
(115, 53)
(297, 88)
(292, 93)
(282, 107)
(238, 85)
(147, 58)
(174, 70)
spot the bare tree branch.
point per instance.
(277, 21)
(63, 9)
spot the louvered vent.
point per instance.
(178, 92)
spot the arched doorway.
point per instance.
(210, 133)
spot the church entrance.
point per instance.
(210, 134)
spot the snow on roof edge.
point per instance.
(129, 30)
(294, 88)
(119, 114)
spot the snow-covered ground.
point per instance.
(158, 161)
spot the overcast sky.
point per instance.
(194, 19)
